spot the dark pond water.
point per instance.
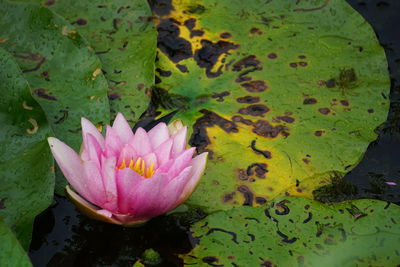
(63, 237)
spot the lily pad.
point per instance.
(11, 252)
(26, 164)
(64, 74)
(299, 232)
(284, 94)
(124, 38)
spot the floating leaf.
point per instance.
(300, 232)
(65, 77)
(124, 38)
(11, 252)
(26, 164)
(284, 94)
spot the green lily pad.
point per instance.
(284, 94)
(299, 232)
(26, 164)
(64, 75)
(11, 252)
(124, 38)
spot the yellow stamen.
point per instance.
(138, 166)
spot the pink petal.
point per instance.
(70, 164)
(127, 185)
(93, 150)
(147, 201)
(181, 162)
(179, 142)
(94, 183)
(110, 185)
(158, 135)
(198, 164)
(127, 153)
(163, 152)
(150, 159)
(122, 128)
(390, 183)
(89, 128)
(173, 191)
(112, 143)
(155, 197)
(141, 142)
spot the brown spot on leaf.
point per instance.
(199, 136)
(303, 64)
(242, 120)
(210, 260)
(207, 56)
(259, 169)
(324, 111)
(265, 129)
(286, 119)
(248, 99)
(190, 23)
(306, 161)
(80, 22)
(247, 194)
(229, 197)
(220, 96)
(319, 133)
(344, 103)
(293, 65)
(260, 200)
(310, 101)
(164, 73)
(161, 7)
(45, 75)
(255, 31)
(49, 2)
(249, 61)
(254, 110)
(371, 110)
(225, 35)
(255, 86)
(272, 55)
(182, 68)
(42, 93)
(2, 203)
(265, 153)
(242, 175)
(169, 42)
(330, 83)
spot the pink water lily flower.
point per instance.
(128, 178)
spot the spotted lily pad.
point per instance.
(284, 94)
(11, 252)
(299, 232)
(64, 74)
(124, 38)
(26, 164)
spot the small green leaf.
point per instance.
(299, 232)
(26, 164)
(11, 252)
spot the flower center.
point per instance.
(139, 166)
